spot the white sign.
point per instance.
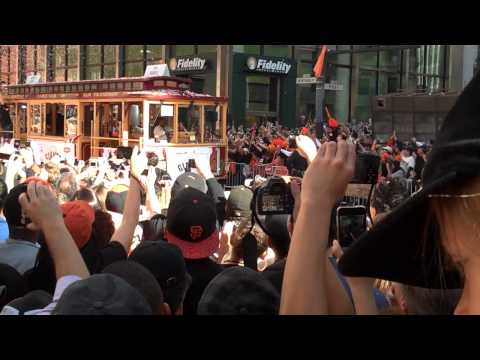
(306, 80)
(7, 146)
(44, 151)
(33, 79)
(166, 110)
(157, 70)
(188, 64)
(268, 66)
(178, 157)
(334, 86)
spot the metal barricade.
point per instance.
(236, 174)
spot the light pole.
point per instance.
(319, 105)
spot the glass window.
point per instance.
(338, 101)
(110, 120)
(93, 54)
(87, 120)
(71, 117)
(72, 74)
(388, 83)
(366, 89)
(36, 116)
(367, 60)
(161, 122)
(59, 74)
(390, 60)
(22, 118)
(262, 93)
(154, 52)
(248, 49)
(109, 71)
(304, 68)
(207, 49)
(134, 52)
(41, 60)
(12, 114)
(189, 124)
(134, 69)
(109, 54)
(135, 120)
(93, 72)
(54, 119)
(213, 124)
(72, 51)
(59, 55)
(182, 50)
(276, 50)
(341, 59)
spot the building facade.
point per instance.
(261, 81)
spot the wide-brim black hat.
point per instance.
(401, 247)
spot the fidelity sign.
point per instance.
(187, 64)
(268, 66)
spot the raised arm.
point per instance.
(42, 208)
(305, 280)
(124, 234)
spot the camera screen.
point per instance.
(350, 229)
(272, 203)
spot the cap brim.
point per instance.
(199, 250)
(398, 248)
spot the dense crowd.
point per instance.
(117, 236)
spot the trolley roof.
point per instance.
(153, 88)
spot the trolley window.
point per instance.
(22, 118)
(135, 120)
(161, 122)
(36, 116)
(189, 124)
(72, 118)
(55, 119)
(213, 123)
(110, 125)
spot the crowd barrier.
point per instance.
(237, 173)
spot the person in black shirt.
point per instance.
(420, 163)
(192, 226)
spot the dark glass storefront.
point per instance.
(262, 88)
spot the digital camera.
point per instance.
(274, 197)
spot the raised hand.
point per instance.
(41, 206)
(138, 163)
(203, 167)
(306, 147)
(329, 173)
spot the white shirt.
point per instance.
(62, 284)
(407, 162)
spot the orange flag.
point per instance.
(320, 62)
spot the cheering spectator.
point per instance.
(21, 249)
(239, 291)
(191, 225)
(165, 261)
(4, 234)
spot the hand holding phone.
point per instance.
(351, 223)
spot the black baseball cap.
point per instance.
(239, 291)
(139, 278)
(189, 180)
(165, 261)
(12, 284)
(191, 224)
(239, 203)
(34, 300)
(115, 201)
(102, 294)
(12, 208)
